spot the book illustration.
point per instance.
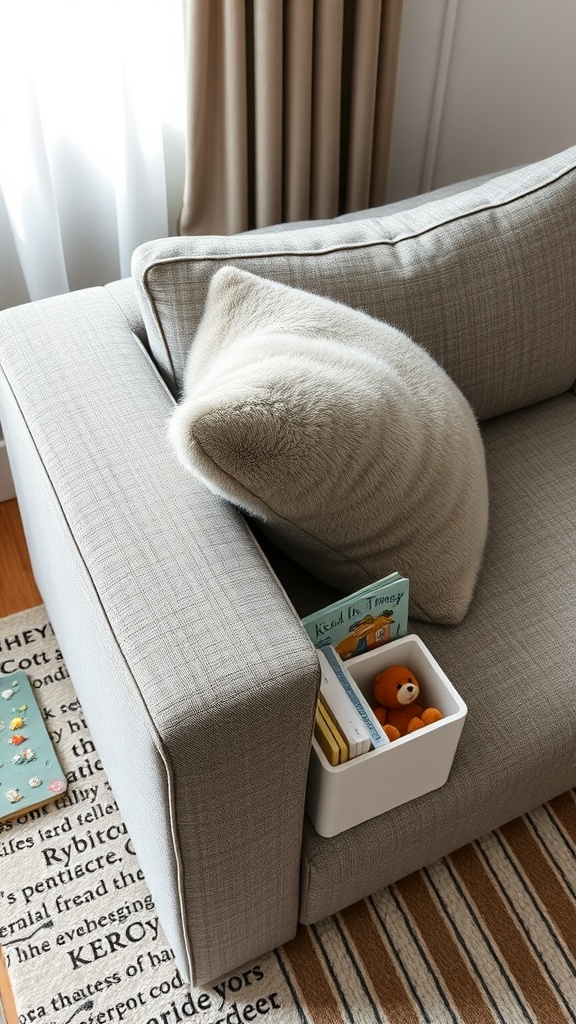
(335, 672)
(370, 632)
(30, 774)
(364, 620)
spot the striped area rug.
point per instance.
(485, 935)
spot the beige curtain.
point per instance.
(290, 106)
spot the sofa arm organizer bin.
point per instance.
(338, 798)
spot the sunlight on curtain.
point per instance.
(91, 139)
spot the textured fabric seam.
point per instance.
(306, 873)
(154, 732)
(159, 328)
(122, 312)
(367, 244)
(331, 249)
(154, 368)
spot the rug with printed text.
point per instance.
(485, 935)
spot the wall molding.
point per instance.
(439, 95)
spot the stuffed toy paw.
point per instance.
(396, 689)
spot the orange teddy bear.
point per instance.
(396, 689)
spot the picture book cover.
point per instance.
(30, 773)
(366, 619)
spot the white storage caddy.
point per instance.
(343, 796)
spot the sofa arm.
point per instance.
(172, 624)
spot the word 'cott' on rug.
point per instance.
(485, 935)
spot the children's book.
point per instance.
(347, 703)
(366, 619)
(334, 697)
(329, 736)
(30, 774)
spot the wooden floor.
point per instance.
(18, 591)
(17, 587)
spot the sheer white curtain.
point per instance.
(91, 139)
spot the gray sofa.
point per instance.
(177, 618)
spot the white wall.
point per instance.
(483, 85)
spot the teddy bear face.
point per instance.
(396, 687)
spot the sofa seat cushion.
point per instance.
(513, 661)
(345, 438)
(485, 279)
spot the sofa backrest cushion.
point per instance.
(485, 280)
(355, 451)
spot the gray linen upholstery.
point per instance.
(171, 624)
(123, 294)
(484, 279)
(518, 746)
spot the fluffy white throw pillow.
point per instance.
(350, 444)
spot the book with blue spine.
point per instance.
(348, 705)
(364, 620)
